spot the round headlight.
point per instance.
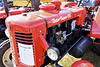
(53, 53)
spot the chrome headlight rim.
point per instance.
(53, 51)
(7, 33)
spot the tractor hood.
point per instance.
(53, 17)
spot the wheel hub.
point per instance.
(7, 59)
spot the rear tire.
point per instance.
(5, 54)
(97, 47)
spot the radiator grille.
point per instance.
(23, 38)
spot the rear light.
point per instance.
(25, 48)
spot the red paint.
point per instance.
(82, 63)
(43, 42)
(95, 30)
(37, 26)
(70, 4)
(57, 3)
(12, 11)
(47, 7)
(97, 2)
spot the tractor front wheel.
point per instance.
(5, 54)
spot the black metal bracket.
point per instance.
(6, 7)
(67, 51)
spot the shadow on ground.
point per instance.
(92, 57)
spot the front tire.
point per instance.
(5, 54)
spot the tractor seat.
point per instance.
(95, 30)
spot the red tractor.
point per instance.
(6, 11)
(44, 36)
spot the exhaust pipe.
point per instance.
(6, 7)
(35, 4)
